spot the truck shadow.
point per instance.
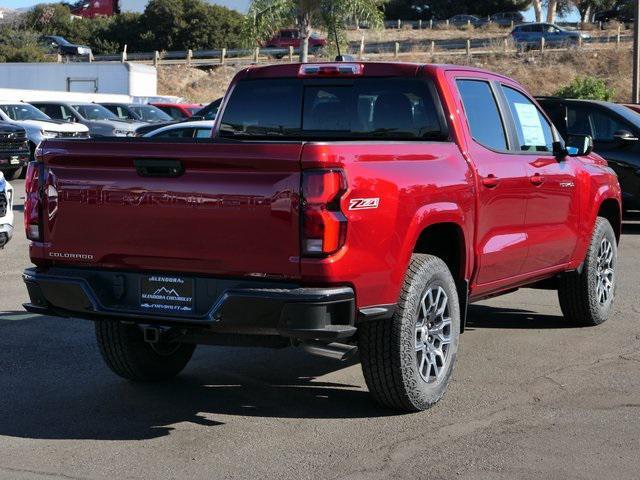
(54, 385)
(483, 316)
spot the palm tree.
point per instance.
(265, 17)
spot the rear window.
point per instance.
(364, 108)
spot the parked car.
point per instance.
(58, 44)
(339, 205)
(531, 34)
(290, 37)
(463, 20)
(14, 150)
(38, 125)
(178, 111)
(206, 113)
(209, 112)
(191, 129)
(633, 106)
(507, 19)
(6, 211)
(615, 131)
(100, 121)
(138, 112)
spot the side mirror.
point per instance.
(624, 136)
(576, 146)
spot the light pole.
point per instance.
(636, 54)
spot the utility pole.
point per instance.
(636, 54)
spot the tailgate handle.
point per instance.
(159, 168)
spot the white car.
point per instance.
(38, 125)
(195, 129)
(6, 211)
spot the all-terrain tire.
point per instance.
(125, 352)
(389, 347)
(580, 298)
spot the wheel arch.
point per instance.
(611, 209)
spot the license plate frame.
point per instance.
(168, 294)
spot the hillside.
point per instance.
(541, 75)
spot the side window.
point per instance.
(66, 114)
(533, 130)
(604, 126)
(558, 114)
(176, 133)
(482, 113)
(578, 121)
(203, 133)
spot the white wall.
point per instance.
(97, 77)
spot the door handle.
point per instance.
(490, 181)
(158, 168)
(537, 179)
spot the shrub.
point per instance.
(20, 46)
(587, 88)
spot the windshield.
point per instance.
(61, 40)
(23, 111)
(364, 108)
(150, 114)
(95, 112)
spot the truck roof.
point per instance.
(371, 69)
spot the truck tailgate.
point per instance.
(233, 211)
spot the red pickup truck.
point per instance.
(336, 206)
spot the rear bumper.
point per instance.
(220, 305)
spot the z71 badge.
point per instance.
(363, 203)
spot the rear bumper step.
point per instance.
(221, 305)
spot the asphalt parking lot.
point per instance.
(531, 398)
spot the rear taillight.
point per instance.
(324, 226)
(33, 203)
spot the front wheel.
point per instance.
(125, 352)
(586, 298)
(408, 360)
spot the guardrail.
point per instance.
(362, 50)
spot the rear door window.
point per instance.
(364, 108)
(483, 115)
(604, 126)
(532, 128)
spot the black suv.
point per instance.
(14, 150)
(615, 130)
(58, 44)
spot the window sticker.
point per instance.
(530, 124)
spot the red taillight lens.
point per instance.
(324, 225)
(32, 202)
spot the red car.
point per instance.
(179, 111)
(336, 206)
(290, 37)
(633, 106)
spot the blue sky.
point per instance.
(237, 4)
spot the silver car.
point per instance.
(100, 121)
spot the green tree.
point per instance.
(19, 46)
(588, 88)
(265, 17)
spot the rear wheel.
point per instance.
(125, 352)
(408, 361)
(586, 298)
